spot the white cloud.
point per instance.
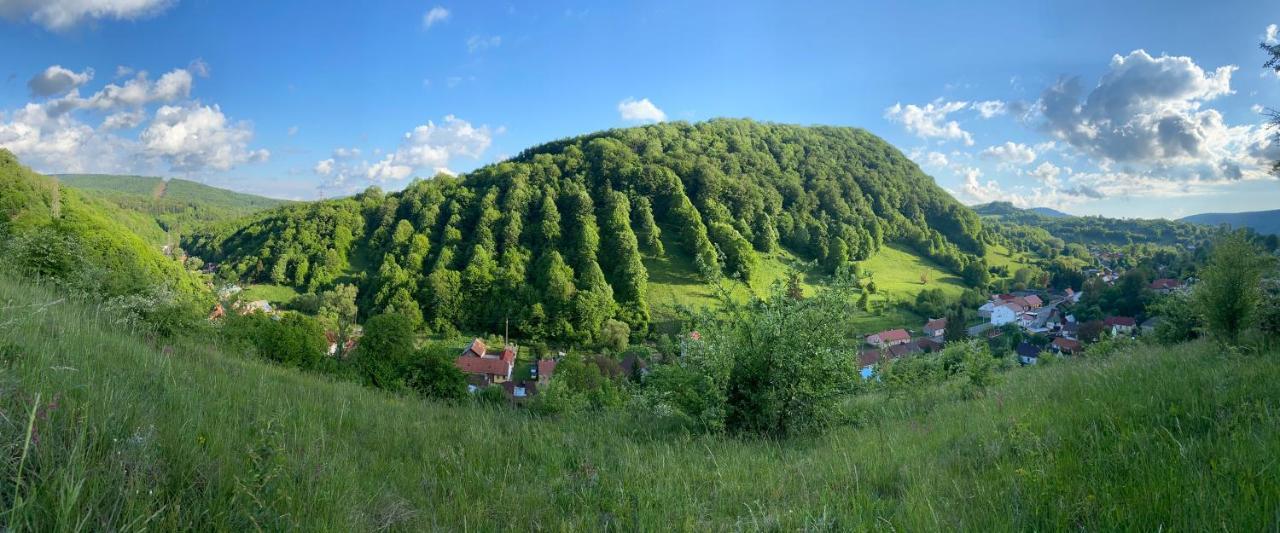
(197, 137)
(936, 159)
(293, 130)
(434, 15)
(430, 147)
(75, 134)
(63, 14)
(1143, 109)
(1011, 153)
(1271, 36)
(478, 43)
(57, 80)
(123, 120)
(325, 167)
(930, 121)
(990, 108)
(1257, 108)
(1048, 174)
(641, 110)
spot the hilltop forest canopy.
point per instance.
(553, 239)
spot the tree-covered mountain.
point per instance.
(1049, 212)
(1264, 222)
(55, 233)
(166, 209)
(1090, 230)
(553, 239)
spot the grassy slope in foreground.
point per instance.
(1180, 438)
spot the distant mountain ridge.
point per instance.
(1264, 222)
(1007, 208)
(155, 207)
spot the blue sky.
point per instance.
(1143, 110)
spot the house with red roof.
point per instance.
(1165, 285)
(888, 338)
(545, 369)
(1066, 346)
(935, 327)
(1119, 325)
(483, 368)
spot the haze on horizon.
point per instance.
(1083, 107)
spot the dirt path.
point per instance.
(158, 192)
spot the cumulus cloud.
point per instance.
(197, 137)
(1148, 128)
(434, 15)
(1271, 36)
(430, 147)
(123, 120)
(1010, 153)
(930, 121)
(71, 133)
(641, 110)
(1144, 109)
(990, 108)
(478, 43)
(63, 14)
(57, 80)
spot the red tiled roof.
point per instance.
(477, 348)
(929, 345)
(901, 350)
(1165, 284)
(1034, 301)
(546, 367)
(1066, 344)
(869, 357)
(1120, 321)
(480, 365)
(894, 335)
(508, 353)
(936, 324)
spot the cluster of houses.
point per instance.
(1026, 309)
(484, 369)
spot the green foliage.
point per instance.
(433, 374)
(202, 440)
(1230, 286)
(1179, 319)
(386, 351)
(772, 367)
(470, 251)
(614, 336)
(294, 339)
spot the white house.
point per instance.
(1004, 314)
(986, 309)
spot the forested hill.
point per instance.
(1264, 222)
(1011, 222)
(554, 238)
(167, 206)
(55, 233)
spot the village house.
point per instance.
(1120, 325)
(484, 369)
(1066, 346)
(928, 345)
(1028, 354)
(888, 338)
(985, 311)
(935, 328)
(1165, 285)
(1007, 313)
(543, 371)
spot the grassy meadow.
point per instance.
(100, 430)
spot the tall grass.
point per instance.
(130, 436)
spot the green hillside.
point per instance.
(51, 231)
(1264, 222)
(570, 234)
(103, 432)
(156, 206)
